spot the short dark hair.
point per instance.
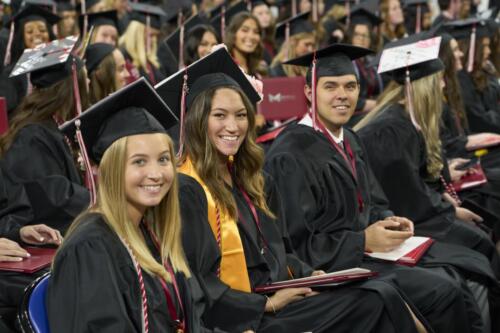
(444, 4)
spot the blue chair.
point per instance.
(33, 314)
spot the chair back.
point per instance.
(33, 313)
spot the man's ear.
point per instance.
(308, 93)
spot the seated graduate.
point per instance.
(122, 267)
(106, 70)
(403, 147)
(34, 153)
(105, 27)
(336, 208)
(234, 235)
(296, 36)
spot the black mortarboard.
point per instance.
(333, 60)
(298, 24)
(65, 5)
(409, 3)
(361, 15)
(215, 70)
(173, 40)
(462, 29)
(46, 4)
(141, 12)
(134, 109)
(33, 13)
(230, 12)
(48, 63)
(95, 53)
(109, 17)
(90, 3)
(254, 3)
(174, 7)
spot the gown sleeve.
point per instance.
(226, 308)
(38, 162)
(83, 293)
(319, 225)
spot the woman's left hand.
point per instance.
(40, 234)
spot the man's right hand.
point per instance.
(380, 238)
(11, 251)
(286, 296)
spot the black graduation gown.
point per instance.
(40, 160)
(277, 71)
(480, 117)
(94, 286)
(453, 139)
(327, 228)
(371, 306)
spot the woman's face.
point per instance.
(247, 37)
(263, 14)
(304, 6)
(457, 54)
(121, 72)
(68, 19)
(304, 46)
(485, 43)
(149, 172)
(35, 33)
(395, 13)
(106, 34)
(361, 36)
(207, 42)
(227, 121)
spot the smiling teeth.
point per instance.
(151, 188)
(341, 107)
(229, 138)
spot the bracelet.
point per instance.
(272, 304)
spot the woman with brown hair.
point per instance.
(392, 27)
(106, 70)
(234, 237)
(244, 42)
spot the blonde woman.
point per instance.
(122, 268)
(139, 43)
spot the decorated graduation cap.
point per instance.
(217, 69)
(27, 14)
(109, 17)
(224, 16)
(413, 59)
(414, 12)
(361, 15)
(134, 109)
(472, 28)
(333, 60)
(95, 53)
(48, 63)
(149, 15)
(175, 40)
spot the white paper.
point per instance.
(410, 54)
(408, 245)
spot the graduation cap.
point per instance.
(217, 69)
(255, 3)
(410, 61)
(46, 4)
(95, 53)
(148, 15)
(174, 8)
(333, 60)
(48, 63)
(87, 4)
(134, 109)
(221, 20)
(361, 15)
(295, 25)
(176, 43)
(414, 10)
(65, 6)
(109, 17)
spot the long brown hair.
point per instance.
(254, 58)
(103, 79)
(43, 104)
(248, 162)
(385, 26)
(479, 76)
(452, 89)
(164, 219)
(427, 103)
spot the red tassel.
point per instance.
(313, 97)
(183, 113)
(148, 38)
(223, 22)
(6, 60)
(294, 7)
(472, 50)
(315, 11)
(181, 41)
(287, 40)
(419, 19)
(409, 100)
(76, 89)
(89, 176)
(348, 12)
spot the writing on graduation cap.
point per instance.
(409, 54)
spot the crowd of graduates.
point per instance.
(132, 146)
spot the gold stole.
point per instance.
(233, 267)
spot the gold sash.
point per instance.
(233, 267)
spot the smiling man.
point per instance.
(336, 210)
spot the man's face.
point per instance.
(336, 98)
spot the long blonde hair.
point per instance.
(134, 42)
(164, 219)
(427, 103)
(286, 53)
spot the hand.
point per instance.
(40, 234)
(11, 251)
(379, 237)
(317, 273)
(249, 331)
(286, 296)
(452, 167)
(477, 139)
(404, 223)
(467, 215)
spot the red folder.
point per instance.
(40, 258)
(471, 179)
(325, 280)
(284, 98)
(487, 142)
(412, 257)
(4, 121)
